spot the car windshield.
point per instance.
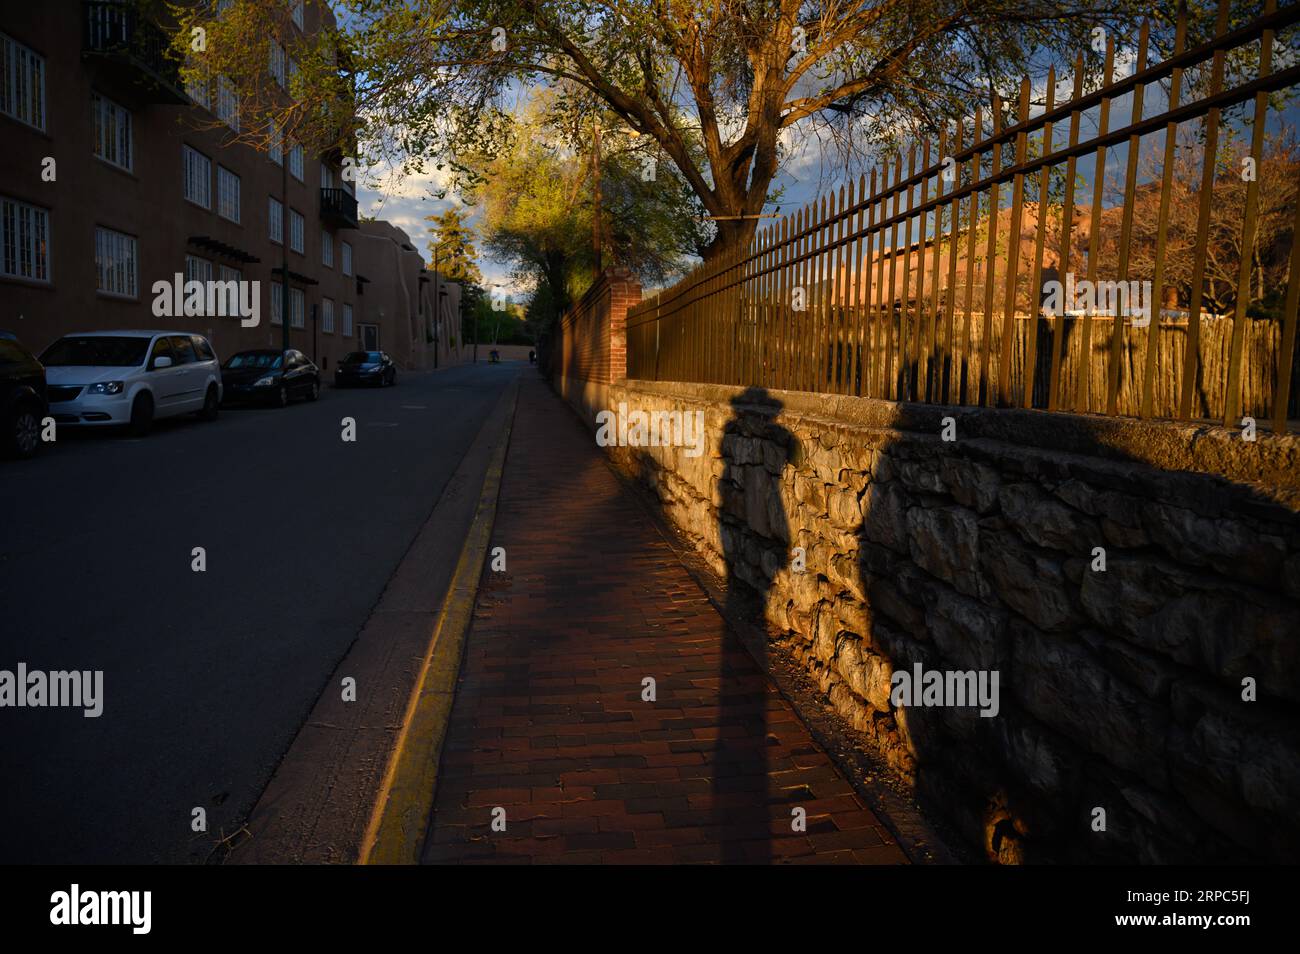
(255, 359)
(96, 351)
(362, 357)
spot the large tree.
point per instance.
(548, 203)
(737, 78)
(451, 247)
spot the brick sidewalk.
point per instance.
(549, 722)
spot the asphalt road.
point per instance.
(207, 676)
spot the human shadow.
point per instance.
(754, 534)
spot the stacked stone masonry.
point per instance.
(1120, 689)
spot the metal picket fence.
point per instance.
(924, 281)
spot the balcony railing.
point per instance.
(339, 208)
(117, 33)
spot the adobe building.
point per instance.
(402, 307)
(108, 185)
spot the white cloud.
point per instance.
(405, 201)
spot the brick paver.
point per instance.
(549, 722)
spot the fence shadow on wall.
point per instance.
(916, 556)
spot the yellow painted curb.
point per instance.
(403, 808)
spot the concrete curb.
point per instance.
(403, 805)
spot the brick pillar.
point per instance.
(624, 291)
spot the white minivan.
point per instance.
(131, 377)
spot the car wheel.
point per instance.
(141, 415)
(25, 432)
(314, 393)
(211, 404)
(282, 397)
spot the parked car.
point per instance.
(365, 367)
(22, 397)
(131, 377)
(270, 376)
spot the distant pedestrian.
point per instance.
(532, 356)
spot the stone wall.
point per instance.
(1120, 689)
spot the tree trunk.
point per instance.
(746, 176)
(732, 234)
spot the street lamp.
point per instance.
(438, 294)
(437, 319)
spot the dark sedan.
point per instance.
(270, 377)
(366, 367)
(23, 403)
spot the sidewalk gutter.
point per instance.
(318, 804)
(403, 806)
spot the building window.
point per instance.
(277, 299)
(347, 321)
(327, 316)
(326, 177)
(278, 67)
(295, 162)
(227, 103)
(197, 83)
(112, 129)
(24, 241)
(197, 269)
(296, 299)
(297, 14)
(326, 249)
(227, 194)
(296, 232)
(231, 292)
(115, 263)
(276, 219)
(347, 259)
(293, 75)
(198, 177)
(22, 83)
(275, 145)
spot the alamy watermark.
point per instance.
(77, 907)
(651, 429)
(37, 689)
(923, 688)
(211, 299)
(1099, 298)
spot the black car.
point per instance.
(269, 376)
(366, 367)
(23, 398)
